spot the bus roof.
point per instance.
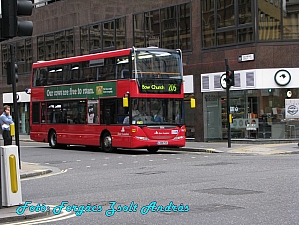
(94, 56)
(81, 58)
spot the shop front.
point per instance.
(23, 109)
(257, 103)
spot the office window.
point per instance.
(226, 22)
(103, 36)
(23, 55)
(95, 41)
(69, 46)
(59, 44)
(55, 45)
(108, 35)
(84, 49)
(152, 28)
(28, 54)
(184, 15)
(167, 27)
(290, 15)
(49, 46)
(120, 33)
(225, 13)
(20, 55)
(269, 21)
(40, 48)
(138, 24)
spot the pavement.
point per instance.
(240, 146)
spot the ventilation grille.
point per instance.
(250, 79)
(237, 80)
(217, 81)
(205, 82)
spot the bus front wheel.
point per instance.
(53, 139)
(152, 149)
(107, 143)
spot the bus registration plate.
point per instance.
(162, 143)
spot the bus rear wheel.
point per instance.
(152, 149)
(107, 143)
(53, 139)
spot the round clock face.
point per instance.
(282, 77)
(223, 81)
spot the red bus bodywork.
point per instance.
(123, 136)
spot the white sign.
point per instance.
(244, 58)
(291, 108)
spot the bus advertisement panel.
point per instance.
(80, 100)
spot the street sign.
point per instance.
(245, 58)
(223, 81)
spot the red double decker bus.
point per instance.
(130, 98)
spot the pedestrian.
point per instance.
(5, 121)
(135, 111)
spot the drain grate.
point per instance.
(228, 191)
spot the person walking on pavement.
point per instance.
(5, 121)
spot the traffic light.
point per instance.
(10, 73)
(230, 78)
(10, 25)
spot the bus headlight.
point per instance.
(178, 137)
(142, 138)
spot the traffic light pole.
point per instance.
(228, 107)
(15, 103)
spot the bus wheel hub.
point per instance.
(107, 141)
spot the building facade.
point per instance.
(207, 31)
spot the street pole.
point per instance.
(227, 107)
(0, 183)
(15, 103)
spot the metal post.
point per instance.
(227, 108)
(15, 103)
(0, 181)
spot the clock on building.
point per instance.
(282, 77)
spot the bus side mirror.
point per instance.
(192, 102)
(125, 102)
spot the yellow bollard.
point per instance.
(13, 174)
